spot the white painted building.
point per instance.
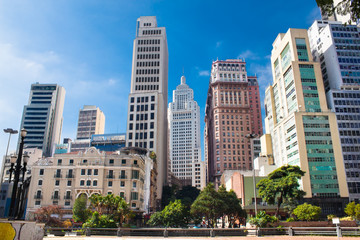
(184, 137)
(337, 48)
(147, 118)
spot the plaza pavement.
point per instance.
(207, 238)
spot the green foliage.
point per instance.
(290, 219)
(353, 210)
(231, 207)
(173, 215)
(208, 204)
(168, 195)
(330, 217)
(348, 218)
(100, 221)
(307, 212)
(262, 219)
(282, 186)
(108, 211)
(80, 212)
(344, 7)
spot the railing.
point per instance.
(70, 175)
(122, 177)
(68, 197)
(110, 176)
(55, 197)
(205, 232)
(38, 196)
(57, 175)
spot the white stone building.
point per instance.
(184, 137)
(147, 118)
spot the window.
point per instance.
(110, 184)
(57, 183)
(59, 161)
(135, 174)
(95, 183)
(82, 182)
(67, 203)
(123, 161)
(134, 196)
(89, 171)
(88, 183)
(134, 184)
(41, 172)
(96, 171)
(82, 171)
(122, 184)
(122, 194)
(69, 183)
(111, 161)
(71, 161)
(40, 182)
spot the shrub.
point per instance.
(330, 217)
(262, 219)
(307, 212)
(290, 219)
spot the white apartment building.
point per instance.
(184, 137)
(147, 117)
(337, 48)
(43, 117)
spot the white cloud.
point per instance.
(111, 82)
(204, 73)
(248, 54)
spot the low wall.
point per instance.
(315, 224)
(21, 230)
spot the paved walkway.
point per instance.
(207, 238)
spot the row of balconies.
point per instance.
(54, 197)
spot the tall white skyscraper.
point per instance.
(184, 137)
(336, 47)
(147, 118)
(43, 117)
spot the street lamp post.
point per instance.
(15, 202)
(10, 131)
(252, 136)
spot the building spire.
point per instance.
(183, 80)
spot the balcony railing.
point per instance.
(55, 197)
(110, 176)
(122, 177)
(66, 197)
(57, 175)
(36, 196)
(70, 175)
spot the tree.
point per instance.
(80, 212)
(344, 7)
(262, 219)
(282, 186)
(173, 215)
(353, 210)
(307, 212)
(208, 204)
(44, 215)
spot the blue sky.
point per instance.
(86, 47)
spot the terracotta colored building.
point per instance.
(232, 112)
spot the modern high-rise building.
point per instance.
(184, 137)
(147, 115)
(232, 112)
(337, 48)
(91, 121)
(43, 117)
(303, 130)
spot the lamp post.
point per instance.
(252, 136)
(14, 200)
(10, 131)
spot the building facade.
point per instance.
(43, 117)
(91, 121)
(61, 179)
(303, 130)
(232, 112)
(184, 137)
(337, 48)
(147, 117)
